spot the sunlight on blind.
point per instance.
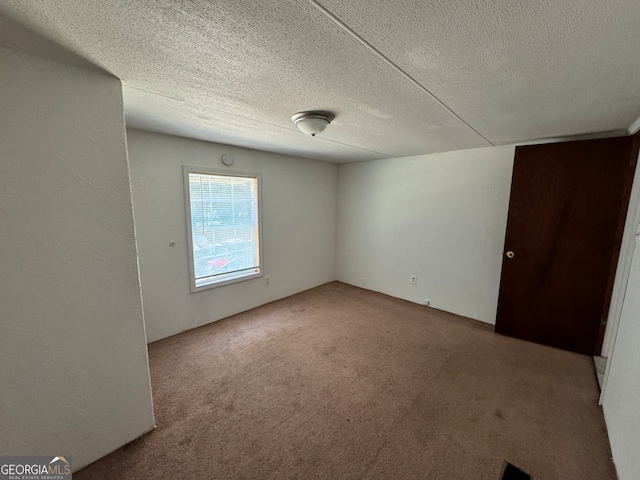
(224, 225)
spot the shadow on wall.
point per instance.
(16, 36)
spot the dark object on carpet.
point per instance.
(514, 473)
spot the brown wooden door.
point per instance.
(566, 202)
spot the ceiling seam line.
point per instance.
(355, 35)
(253, 120)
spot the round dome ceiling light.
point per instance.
(312, 122)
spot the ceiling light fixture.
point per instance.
(312, 122)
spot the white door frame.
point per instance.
(629, 239)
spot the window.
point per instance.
(224, 227)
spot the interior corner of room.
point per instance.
(509, 210)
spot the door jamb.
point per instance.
(629, 239)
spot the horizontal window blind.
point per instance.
(224, 226)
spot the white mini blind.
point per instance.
(224, 227)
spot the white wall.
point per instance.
(622, 396)
(74, 376)
(299, 229)
(441, 217)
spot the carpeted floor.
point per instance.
(343, 383)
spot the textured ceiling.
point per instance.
(403, 77)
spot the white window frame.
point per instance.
(187, 169)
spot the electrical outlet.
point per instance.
(414, 280)
(267, 280)
(364, 282)
(426, 302)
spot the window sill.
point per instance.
(204, 285)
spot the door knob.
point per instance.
(510, 254)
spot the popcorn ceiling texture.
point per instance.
(515, 71)
(235, 71)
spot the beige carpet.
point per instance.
(339, 382)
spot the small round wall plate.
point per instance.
(227, 158)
